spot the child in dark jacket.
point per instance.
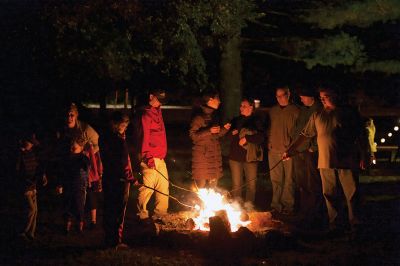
(29, 170)
(74, 183)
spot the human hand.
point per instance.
(215, 129)
(242, 141)
(372, 159)
(135, 182)
(285, 156)
(227, 126)
(234, 132)
(59, 190)
(44, 180)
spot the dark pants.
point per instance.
(91, 200)
(308, 182)
(116, 196)
(75, 198)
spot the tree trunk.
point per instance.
(126, 99)
(231, 77)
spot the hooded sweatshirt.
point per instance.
(154, 144)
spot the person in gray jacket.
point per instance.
(342, 146)
(282, 120)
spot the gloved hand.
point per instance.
(135, 182)
(151, 164)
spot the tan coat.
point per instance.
(340, 137)
(206, 149)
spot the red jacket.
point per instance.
(96, 166)
(154, 144)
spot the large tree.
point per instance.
(134, 41)
(326, 40)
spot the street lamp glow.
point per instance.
(396, 128)
(390, 134)
(383, 140)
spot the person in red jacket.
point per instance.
(152, 152)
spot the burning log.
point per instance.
(190, 224)
(219, 238)
(220, 228)
(178, 230)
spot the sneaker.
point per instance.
(92, 226)
(159, 221)
(23, 236)
(146, 222)
(334, 233)
(121, 246)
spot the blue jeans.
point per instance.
(250, 172)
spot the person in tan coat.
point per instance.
(205, 132)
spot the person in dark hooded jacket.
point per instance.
(117, 177)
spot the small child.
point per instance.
(74, 183)
(29, 170)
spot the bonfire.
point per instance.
(214, 203)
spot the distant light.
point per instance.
(374, 161)
(383, 140)
(396, 128)
(390, 134)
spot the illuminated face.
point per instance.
(72, 116)
(282, 96)
(76, 148)
(326, 100)
(307, 100)
(214, 102)
(245, 108)
(154, 102)
(27, 145)
(123, 126)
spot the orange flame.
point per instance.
(213, 202)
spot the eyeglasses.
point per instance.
(324, 97)
(282, 95)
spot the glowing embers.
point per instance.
(213, 203)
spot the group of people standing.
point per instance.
(309, 147)
(87, 163)
(331, 138)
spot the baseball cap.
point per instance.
(160, 94)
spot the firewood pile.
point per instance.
(177, 230)
(261, 223)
